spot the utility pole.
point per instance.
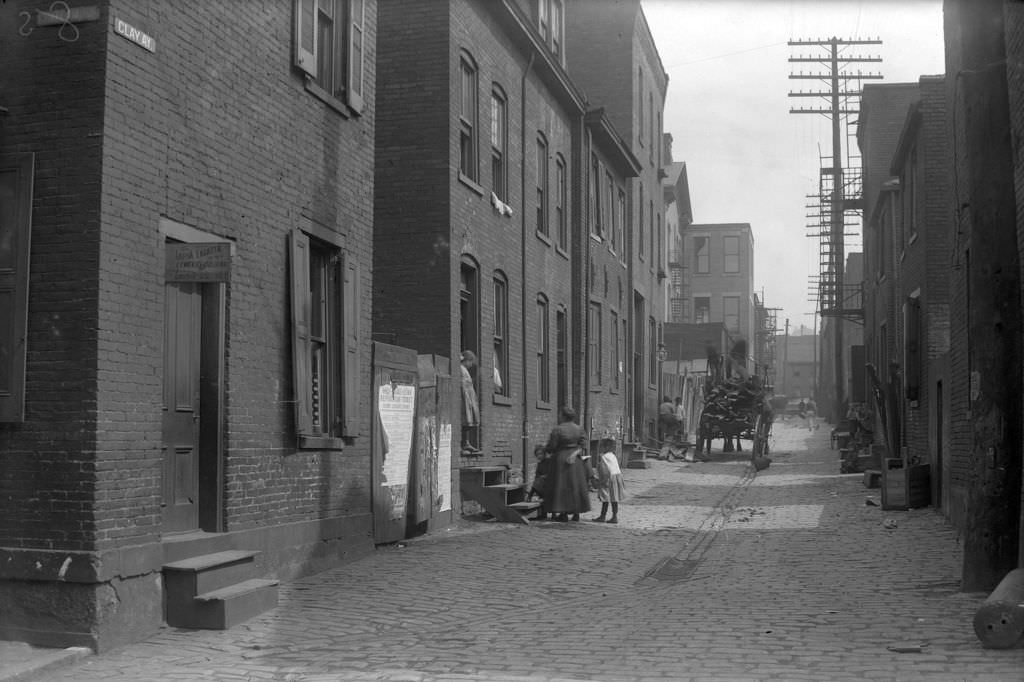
(785, 361)
(842, 101)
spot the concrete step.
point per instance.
(186, 578)
(228, 606)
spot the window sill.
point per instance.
(327, 98)
(596, 238)
(913, 238)
(321, 443)
(562, 252)
(541, 405)
(470, 183)
(543, 237)
(500, 399)
(597, 389)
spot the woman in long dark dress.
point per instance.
(568, 488)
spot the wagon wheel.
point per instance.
(762, 429)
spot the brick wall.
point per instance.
(214, 130)
(430, 210)
(52, 85)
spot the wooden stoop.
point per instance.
(215, 591)
(489, 486)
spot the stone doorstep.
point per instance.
(20, 662)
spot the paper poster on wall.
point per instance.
(444, 468)
(396, 405)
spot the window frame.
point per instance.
(543, 177)
(702, 262)
(469, 118)
(543, 341)
(595, 329)
(501, 340)
(726, 302)
(562, 202)
(697, 317)
(339, 382)
(499, 142)
(726, 255)
(339, 77)
(616, 350)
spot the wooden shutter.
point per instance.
(302, 373)
(16, 172)
(356, 54)
(352, 387)
(305, 35)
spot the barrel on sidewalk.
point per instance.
(999, 623)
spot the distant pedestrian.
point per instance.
(610, 487)
(801, 411)
(567, 478)
(667, 418)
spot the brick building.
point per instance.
(480, 203)
(920, 248)
(883, 113)
(606, 282)
(984, 85)
(623, 73)
(187, 338)
(719, 278)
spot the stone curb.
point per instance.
(33, 662)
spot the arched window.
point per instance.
(543, 350)
(501, 334)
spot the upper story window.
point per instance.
(702, 255)
(330, 47)
(731, 248)
(909, 185)
(640, 104)
(468, 118)
(650, 126)
(499, 143)
(702, 309)
(561, 202)
(595, 184)
(542, 185)
(640, 226)
(623, 225)
(551, 26)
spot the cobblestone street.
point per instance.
(714, 573)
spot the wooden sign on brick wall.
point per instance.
(202, 262)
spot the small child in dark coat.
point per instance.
(541, 476)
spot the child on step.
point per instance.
(610, 487)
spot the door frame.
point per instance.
(213, 332)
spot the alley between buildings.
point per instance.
(715, 572)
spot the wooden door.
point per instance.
(182, 342)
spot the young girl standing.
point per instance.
(610, 487)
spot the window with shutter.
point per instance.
(325, 286)
(330, 48)
(16, 174)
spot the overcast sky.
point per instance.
(749, 160)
